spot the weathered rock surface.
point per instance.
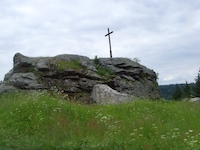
(74, 74)
(103, 94)
(6, 88)
(131, 77)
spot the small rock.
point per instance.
(195, 99)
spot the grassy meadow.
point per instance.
(44, 121)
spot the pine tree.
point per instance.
(177, 94)
(187, 91)
(197, 85)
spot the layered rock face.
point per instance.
(77, 75)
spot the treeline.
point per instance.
(166, 91)
(181, 91)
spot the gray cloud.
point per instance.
(164, 35)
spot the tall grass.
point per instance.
(38, 120)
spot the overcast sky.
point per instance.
(163, 34)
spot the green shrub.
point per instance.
(102, 70)
(96, 61)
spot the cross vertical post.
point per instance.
(109, 41)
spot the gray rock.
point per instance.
(42, 65)
(103, 94)
(132, 78)
(124, 66)
(195, 99)
(25, 81)
(6, 88)
(22, 63)
(76, 74)
(8, 75)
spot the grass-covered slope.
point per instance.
(39, 120)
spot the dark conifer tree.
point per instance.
(197, 85)
(187, 91)
(177, 94)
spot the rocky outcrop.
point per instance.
(74, 74)
(103, 94)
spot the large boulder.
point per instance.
(103, 94)
(74, 74)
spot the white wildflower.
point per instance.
(190, 131)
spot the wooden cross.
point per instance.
(109, 41)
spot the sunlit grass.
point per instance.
(39, 120)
